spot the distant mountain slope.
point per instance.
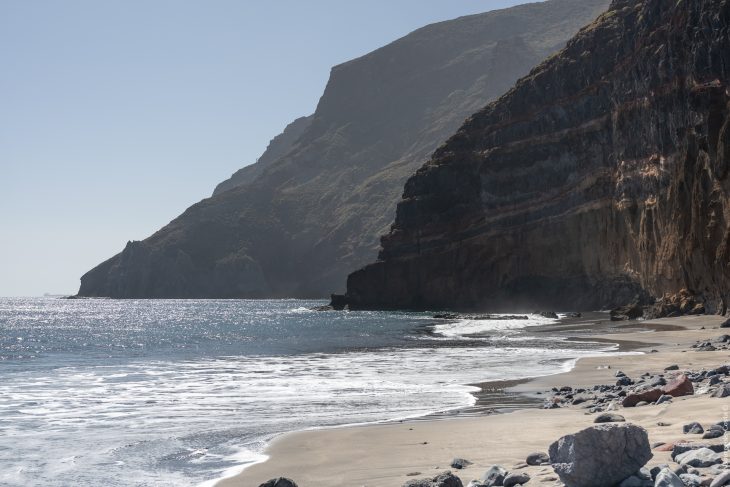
(601, 177)
(295, 226)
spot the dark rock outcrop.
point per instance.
(314, 205)
(602, 176)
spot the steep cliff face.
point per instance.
(600, 176)
(277, 148)
(313, 208)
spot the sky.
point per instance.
(116, 115)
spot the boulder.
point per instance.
(671, 367)
(630, 312)
(516, 478)
(679, 386)
(667, 478)
(494, 476)
(280, 482)
(600, 456)
(725, 324)
(680, 448)
(693, 428)
(537, 458)
(445, 479)
(700, 458)
(609, 418)
(631, 400)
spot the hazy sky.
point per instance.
(116, 115)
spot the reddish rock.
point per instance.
(680, 386)
(632, 400)
(665, 447)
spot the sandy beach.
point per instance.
(391, 454)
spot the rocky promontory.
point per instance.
(599, 180)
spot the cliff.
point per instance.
(600, 178)
(313, 207)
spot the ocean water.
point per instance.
(183, 392)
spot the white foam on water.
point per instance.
(464, 328)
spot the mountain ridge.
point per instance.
(300, 223)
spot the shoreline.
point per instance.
(380, 454)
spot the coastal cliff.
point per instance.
(313, 207)
(601, 178)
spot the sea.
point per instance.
(184, 392)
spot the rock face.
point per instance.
(601, 179)
(314, 205)
(600, 456)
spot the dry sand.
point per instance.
(391, 454)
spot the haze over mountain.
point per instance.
(601, 178)
(313, 207)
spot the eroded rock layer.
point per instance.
(600, 178)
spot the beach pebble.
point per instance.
(713, 432)
(701, 458)
(624, 381)
(460, 463)
(280, 482)
(600, 456)
(721, 480)
(691, 480)
(537, 458)
(693, 428)
(494, 476)
(722, 391)
(664, 398)
(672, 367)
(516, 478)
(667, 478)
(609, 418)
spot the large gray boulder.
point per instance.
(444, 479)
(600, 456)
(280, 482)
